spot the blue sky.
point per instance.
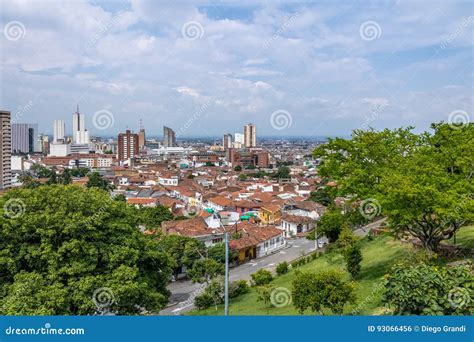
(207, 68)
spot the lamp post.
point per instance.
(226, 280)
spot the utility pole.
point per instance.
(226, 283)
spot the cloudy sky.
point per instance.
(207, 68)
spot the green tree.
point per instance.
(53, 179)
(264, 294)
(429, 195)
(261, 277)
(282, 268)
(154, 216)
(423, 289)
(283, 172)
(183, 250)
(242, 177)
(66, 244)
(353, 257)
(331, 224)
(120, 198)
(322, 195)
(97, 181)
(204, 270)
(66, 177)
(238, 168)
(325, 289)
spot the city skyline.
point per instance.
(356, 65)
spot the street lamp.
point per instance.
(226, 280)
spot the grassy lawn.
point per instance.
(464, 238)
(378, 256)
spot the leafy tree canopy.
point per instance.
(64, 246)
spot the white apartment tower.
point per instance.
(250, 135)
(59, 131)
(80, 135)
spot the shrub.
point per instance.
(294, 264)
(237, 288)
(203, 301)
(261, 277)
(353, 258)
(282, 268)
(314, 256)
(308, 259)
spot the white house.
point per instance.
(294, 225)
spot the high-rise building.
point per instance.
(250, 135)
(141, 138)
(127, 145)
(25, 138)
(239, 138)
(59, 131)
(169, 137)
(5, 150)
(227, 141)
(80, 135)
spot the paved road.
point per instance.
(183, 292)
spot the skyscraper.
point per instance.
(127, 145)
(59, 131)
(169, 137)
(80, 135)
(25, 138)
(141, 136)
(5, 150)
(227, 141)
(250, 135)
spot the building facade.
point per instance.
(5, 150)
(127, 145)
(227, 141)
(25, 138)
(250, 135)
(80, 135)
(59, 131)
(169, 137)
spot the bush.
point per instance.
(353, 258)
(294, 264)
(308, 259)
(237, 288)
(261, 277)
(282, 268)
(314, 256)
(203, 301)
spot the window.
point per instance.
(218, 240)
